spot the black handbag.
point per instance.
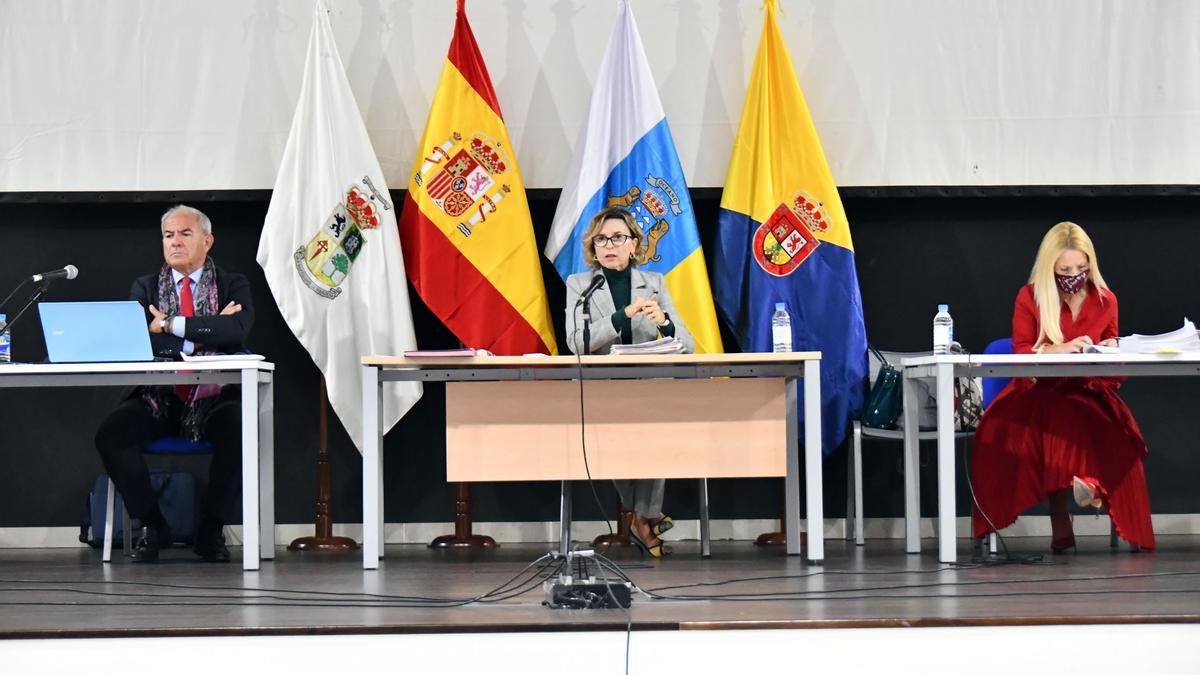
(886, 399)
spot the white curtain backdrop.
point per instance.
(178, 94)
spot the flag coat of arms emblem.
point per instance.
(783, 236)
(468, 238)
(325, 260)
(626, 157)
(330, 249)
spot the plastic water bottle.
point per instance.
(943, 330)
(781, 329)
(5, 343)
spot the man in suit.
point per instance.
(192, 307)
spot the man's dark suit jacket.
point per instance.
(224, 334)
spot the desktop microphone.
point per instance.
(597, 283)
(68, 272)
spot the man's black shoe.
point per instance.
(145, 547)
(210, 544)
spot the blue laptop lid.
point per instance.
(95, 332)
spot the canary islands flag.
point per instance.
(465, 228)
(783, 237)
(626, 157)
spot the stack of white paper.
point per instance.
(1185, 339)
(667, 345)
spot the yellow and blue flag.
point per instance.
(783, 237)
(626, 157)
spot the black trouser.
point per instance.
(125, 433)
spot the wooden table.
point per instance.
(674, 416)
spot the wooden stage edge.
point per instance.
(68, 593)
(611, 626)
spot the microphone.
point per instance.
(597, 283)
(68, 272)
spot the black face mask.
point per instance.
(1071, 284)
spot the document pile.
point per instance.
(667, 345)
(1185, 339)
(443, 353)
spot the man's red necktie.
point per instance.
(186, 308)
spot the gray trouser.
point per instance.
(643, 496)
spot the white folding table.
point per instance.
(258, 439)
(945, 367)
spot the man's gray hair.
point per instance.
(201, 219)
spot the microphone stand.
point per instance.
(587, 324)
(14, 292)
(41, 290)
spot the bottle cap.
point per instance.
(943, 308)
(779, 306)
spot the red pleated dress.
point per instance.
(1038, 434)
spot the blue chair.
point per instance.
(168, 446)
(992, 386)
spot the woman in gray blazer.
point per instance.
(631, 306)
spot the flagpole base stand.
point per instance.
(468, 541)
(621, 538)
(462, 537)
(778, 539)
(611, 541)
(323, 544)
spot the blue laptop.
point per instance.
(95, 332)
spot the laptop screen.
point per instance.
(95, 332)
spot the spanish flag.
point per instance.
(465, 228)
(782, 236)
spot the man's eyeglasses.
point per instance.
(616, 240)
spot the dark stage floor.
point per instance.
(69, 593)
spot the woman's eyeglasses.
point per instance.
(616, 240)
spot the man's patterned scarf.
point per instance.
(201, 398)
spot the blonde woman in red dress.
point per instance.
(1041, 437)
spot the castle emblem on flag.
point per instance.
(787, 237)
(325, 261)
(461, 178)
(650, 206)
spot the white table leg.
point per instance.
(947, 539)
(791, 479)
(250, 463)
(266, 465)
(372, 495)
(814, 481)
(857, 478)
(564, 518)
(912, 475)
(379, 481)
(109, 526)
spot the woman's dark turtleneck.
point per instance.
(620, 287)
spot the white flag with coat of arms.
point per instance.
(330, 247)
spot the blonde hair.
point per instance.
(1064, 236)
(597, 223)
